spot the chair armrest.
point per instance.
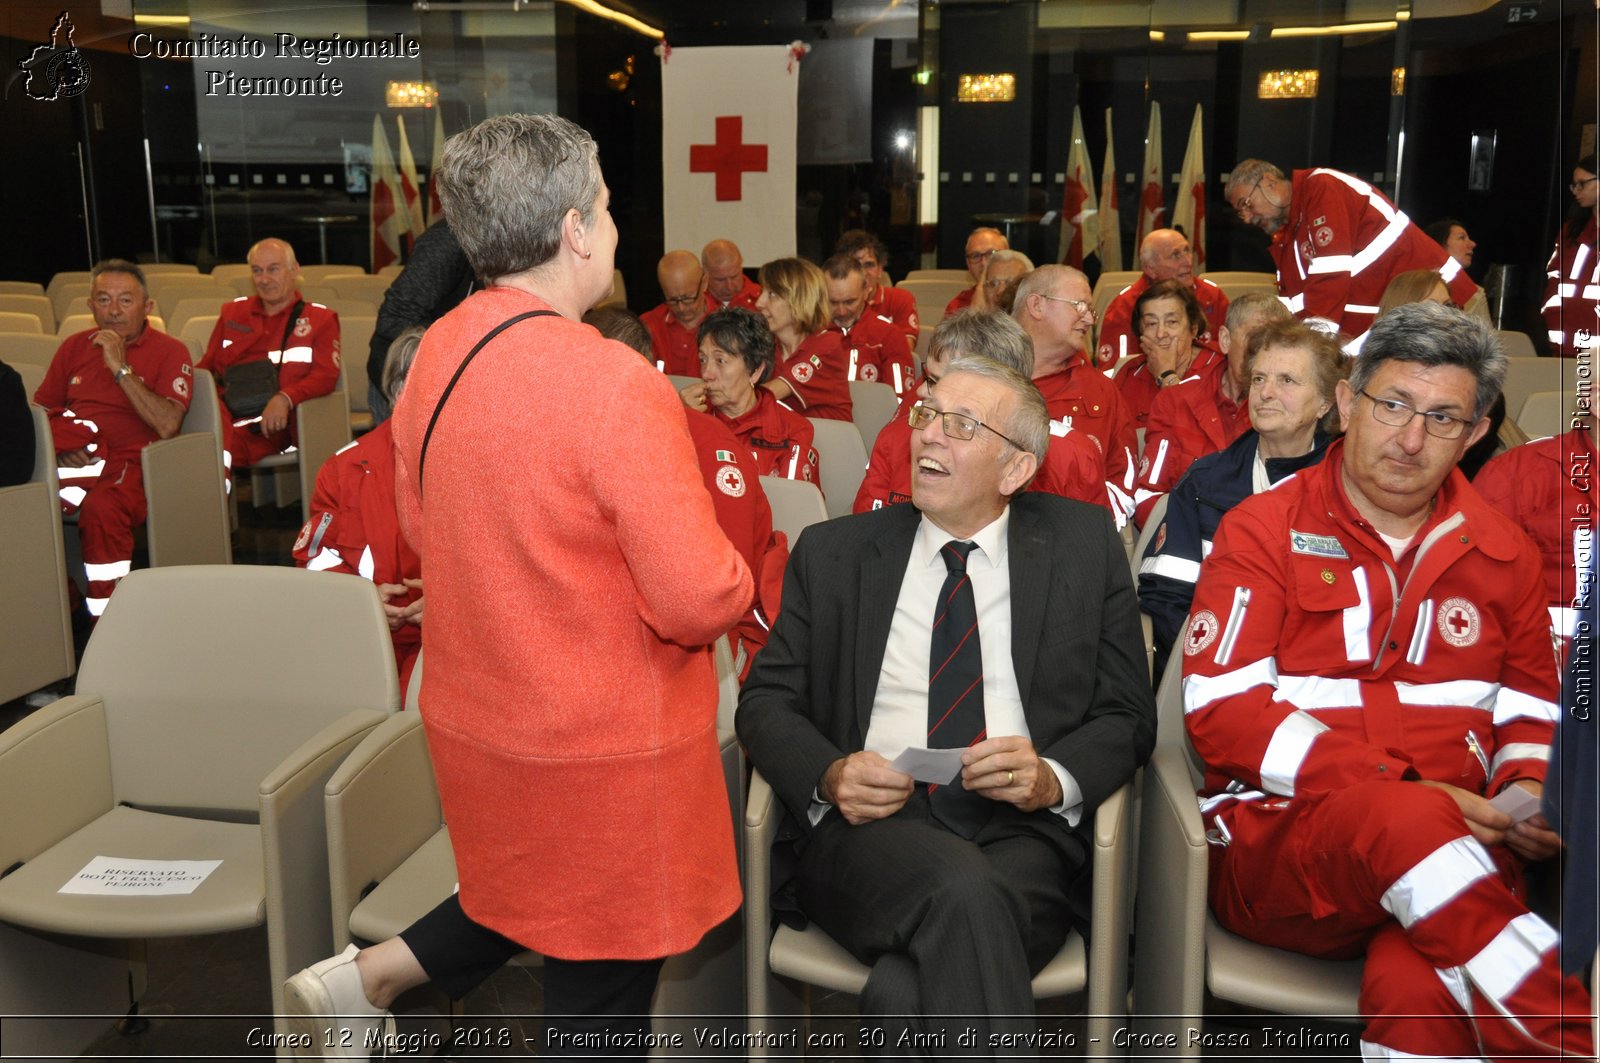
(388, 781)
(761, 817)
(1110, 904)
(1169, 951)
(295, 848)
(55, 776)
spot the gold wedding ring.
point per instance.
(1011, 777)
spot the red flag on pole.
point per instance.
(1153, 184)
(1080, 222)
(389, 220)
(1110, 215)
(410, 187)
(1189, 213)
(435, 204)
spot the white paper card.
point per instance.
(1517, 803)
(123, 877)
(938, 766)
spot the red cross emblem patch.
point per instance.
(1202, 632)
(729, 482)
(1459, 622)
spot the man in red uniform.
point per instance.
(301, 339)
(111, 390)
(878, 351)
(980, 245)
(1164, 255)
(725, 278)
(1053, 306)
(1338, 242)
(895, 304)
(1368, 679)
(684, 305)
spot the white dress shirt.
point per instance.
(900, 706)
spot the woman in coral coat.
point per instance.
(574, 589)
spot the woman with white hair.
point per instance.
(574, 589)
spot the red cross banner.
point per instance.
(1152, 183)
(435, 204)
(410, 187)
(1189, 212)
(390, 218)
(729, 118)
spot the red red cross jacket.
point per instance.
(1572, 296)
(1118, 336)
(1314, 660)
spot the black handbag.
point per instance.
(249, 386)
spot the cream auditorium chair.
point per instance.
(842, 459)
(322, 427)
(212, 705)
(36, 624)
(872, 405)
(188, 521)
(37, 305)
(796, 505)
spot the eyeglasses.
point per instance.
(1241, 207)
(956, 425)
(682, 300)
(978, 256)
(1397, 414)
(1077, 304)
(1576, 186)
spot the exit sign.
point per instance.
(1516, 13)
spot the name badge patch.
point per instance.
(1315, 545)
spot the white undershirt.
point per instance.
(900, 706)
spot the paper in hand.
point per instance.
(940, 767)
(1517, 803)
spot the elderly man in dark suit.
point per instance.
(997, 623)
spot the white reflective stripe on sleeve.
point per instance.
(855, 359)
(1318, 692)
(275, 357)
(1121, 504)
(297, 354)
(1511, 957)
(73, 495)
(1515, 705)
(1201, 690)
(1563, 618)
(899, 379)
(1557, 337)
(1419, 636)
(1178, 568)
(1591, 292)
(1554, 300)
(83, 472)
(108, 571)
(1230, 632)
(1373, 1050)
(1295, 303)
(1449, 270)
(1161, 459)
(1518, 751)
(1287, 750)
(1330, 264)
(366, 566)
(1458, 693)
(1132, 473)
(326, 558)
(1579, 261)
(1436, 880)
(1359, 308)
(794, 460)
(1357, 620)
(96, 606)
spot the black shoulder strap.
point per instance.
(462, 368)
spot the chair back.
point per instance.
(37, 305)
(213, 674)
(171, 289)
(1524, 376)
(1516, 344)
(32, 376)
(36, 624)
(69, 297)
(843, 459)
(359, 286)
(66, 276)
(938, 275)
(195, 333)
(22, 288)
(1158, 513)
(319, 274)
(796, 505)
(1547, 413)
(20, 321)
(179, 268)
(872, 405)
(189, 521)
(933, 295)
(227, 272)
(190, 307)
(27, 348)
(355, 337)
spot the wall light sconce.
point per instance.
(411, 94)
(986, 88)
(1287, 85)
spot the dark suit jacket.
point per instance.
(1077, 648)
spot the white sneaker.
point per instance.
(329, 1014)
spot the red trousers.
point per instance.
(1456, 965)
(109, 504)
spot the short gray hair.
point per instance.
(1249, 171)
(1251, 307)
(507, 185)
(120, 265)
(1029, 423)
(986, 334)
(397, 363)
(1042, 281)
(1006, 254)
(1431, 335)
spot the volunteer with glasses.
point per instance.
(684, 304)
(981, 243)
(1001, 268)
(1572, 298)
(1369, 683)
